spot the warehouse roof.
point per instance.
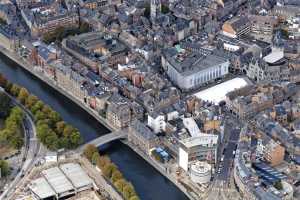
(76, 175)
(41, 188)
(57, 180)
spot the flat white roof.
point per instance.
(41, 188)
(201, 167)
(77, 176)
(274, 56)
(217, 93)
(57, 180)
(203, 140)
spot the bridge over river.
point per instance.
(104, 139)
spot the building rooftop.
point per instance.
(203, 140)
(187, 62)
(274, 57)
(201, 167)
(218, 92)
(61, 181)
(93, 41)
(76, 175)
(239, 22)
(142, 129)
(41, 188)
(57, 180)
(267, 173)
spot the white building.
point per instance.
(200, 172)
(203, 148)
(190, 70)
(51, 157)
(156, 122)
(231, 47)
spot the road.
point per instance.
(32, 149)
(222, 187)
(228, 156)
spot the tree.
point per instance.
(95, 157)
(23, 95)
(164, 9)
(15, 90)
(4, 168)
(134, 198)
(16, 114)
(5, 134)
(278, 185)
(16, 142)
(8, 86)
(3, 21)
(84, 27)
(3, 81)
(63, 143)
(42, 132)
(39, 115)
(4, 104)
(116, 175)
(37, 106)
(41, 122)
(51, 140)
(128, 191)
(11, 134)
(59, 127)
(47, 109)
(103, 161)
(284, 33)
(54, 117)
(75, 138)
(30, 101)
(68, 130)
(89, 151)
(120, 184)
(109, 169)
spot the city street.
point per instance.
(32, 149)
(228, 156)
(222, 187)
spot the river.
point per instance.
(149, 183)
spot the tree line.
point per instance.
(4, 168)
(111, 172)
(52, 131)
(12, 132)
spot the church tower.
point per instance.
(155, 8)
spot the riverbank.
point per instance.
(78, 102)
(162, 170)
(48, 81)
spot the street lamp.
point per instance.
(2, 89)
